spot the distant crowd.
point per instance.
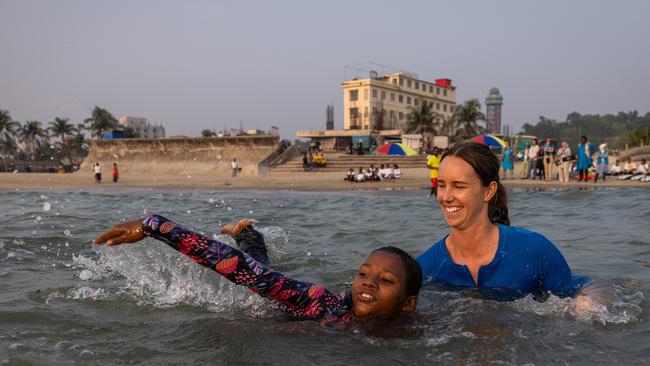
(588, 163)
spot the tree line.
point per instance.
(31, 140)
(616, 129)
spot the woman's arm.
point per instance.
(301, 299)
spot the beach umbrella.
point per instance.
(489, 140)
(396, 149)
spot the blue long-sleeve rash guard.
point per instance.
(525, 263)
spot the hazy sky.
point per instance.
(204, 64)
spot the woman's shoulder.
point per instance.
(524, 238)
(436, 252)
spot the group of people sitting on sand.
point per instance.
(630, 170)
(373, 174)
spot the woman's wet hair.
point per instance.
(411, 267)
(486, 165)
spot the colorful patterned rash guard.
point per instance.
(301, 300)
(525, 263)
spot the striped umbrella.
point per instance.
(396, 149)
(489, 140)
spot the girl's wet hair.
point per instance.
(486, 166)
(411, 267)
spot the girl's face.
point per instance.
(379, 289)
(461, 195)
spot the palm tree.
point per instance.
(101, 120)
(8, 129)
(421, 120)
(449, 126)
(29, 134)
(468, 115)
(60, 127)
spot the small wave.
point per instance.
(159, 276)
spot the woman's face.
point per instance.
(461, 195)
(565, 145)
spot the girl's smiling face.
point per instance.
(461, 195)
(379, 288)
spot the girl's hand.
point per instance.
(126, 232)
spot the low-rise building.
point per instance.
(142, 127)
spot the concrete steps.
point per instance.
(336, 162)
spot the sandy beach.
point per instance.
(205, 178)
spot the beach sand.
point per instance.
(205, 177)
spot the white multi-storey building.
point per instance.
(142, 127)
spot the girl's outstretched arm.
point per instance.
(301, 299)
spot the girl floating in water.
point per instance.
(386, 285)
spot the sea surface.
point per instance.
(64, 301)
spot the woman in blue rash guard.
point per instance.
(482, 250)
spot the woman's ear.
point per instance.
(410, 304)
(490, 191)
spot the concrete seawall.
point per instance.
(197, 155)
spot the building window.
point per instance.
(354, 95)
(430, 89)
(408, 83)
(354, 115)
(401, 116)
(437, 106)
(401, 98)
(424, 88)
(444, 92)
(444, 108)
(437, 90)
(374, 93)
(417, 85)
(383, 95)
(392, 97)
(365, 94)
(451, 108)
(416, 101)
(394, 81)
(401, 82)
(365, 112)
(408, 100)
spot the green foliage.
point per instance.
(130, 133)
(617, 130)
(421, 120)
(467, 116)
(100, 121)
(207, 133)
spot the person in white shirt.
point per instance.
(360, 176)
(564, 158)
(98, 173)
(642, 168)
(396, 172)
(235, 167)
(615, 169)
(532, 158)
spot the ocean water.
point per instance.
(64, 301)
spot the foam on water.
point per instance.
(158, 275)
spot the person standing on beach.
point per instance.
(98, 173)
(564, 158)
(549, 150)
(585, 149)
(525, 158)
(532, 159)
(506, 161)
(234, 166)
(602, 161)
(115, 173)
(433, 162)
(305, 162)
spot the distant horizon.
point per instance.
(204, 65)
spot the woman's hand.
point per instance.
(126, 232)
